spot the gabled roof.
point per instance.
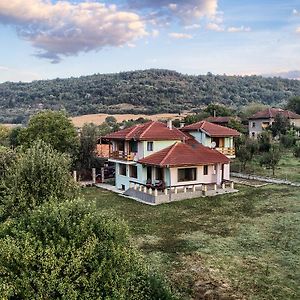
(270, 113)
(181, 154)
(150, 131)
(211, 129)
(221, 119)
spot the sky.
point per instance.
(45, 39)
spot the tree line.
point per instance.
(150, 91)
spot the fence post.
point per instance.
(94, 174)
(75, 176)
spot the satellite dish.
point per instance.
(213, 145)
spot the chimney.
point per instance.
(215, 113)
(169, 124)
(182, 124)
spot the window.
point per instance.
(253, 124)
(133, 171)
(149, 146)
(133, 146)
(215, 169)
(188, 174)
(122, 169)
(205, 170)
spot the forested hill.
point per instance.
(149, 91)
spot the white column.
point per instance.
(219, 173)
(155, 192)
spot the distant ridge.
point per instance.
(295, 74)
(148, 92)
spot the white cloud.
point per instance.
(12, 74)
(180, 36)
(193, 26)
(296, 12)
(239, 29)
(64, 28)
(187, 11)
(298, 30)
(214, 27)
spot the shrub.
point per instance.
(288, 141)
(297, 151)
(40, 174)
(71, 251)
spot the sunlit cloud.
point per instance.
(215, 27)
(65, 28)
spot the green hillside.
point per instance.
(149, 91)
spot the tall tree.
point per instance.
(271, 158)
(39, 175)
(294, 104)
(54, 128)
(280, 125)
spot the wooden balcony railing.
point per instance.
(122, 155)
(227, 151)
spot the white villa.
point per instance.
(159, 163)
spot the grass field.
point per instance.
(288, 167)
(236, 246)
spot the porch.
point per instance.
(153, 195)
(228, 151)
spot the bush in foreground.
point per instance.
(71, 251)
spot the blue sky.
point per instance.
(49, 39)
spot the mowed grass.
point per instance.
(235, 246)
(288, 167)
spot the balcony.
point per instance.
(121, 155)
(230, 152)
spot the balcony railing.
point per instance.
(122, 155)
(227, 151)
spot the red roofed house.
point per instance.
(223, 121)
(159, 163)
(262, 119)
(213, 136)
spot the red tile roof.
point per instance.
(150, 131)
(181, 154)
(270, 113)
(211, 129)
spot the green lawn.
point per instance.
(227, 247)
(288, 167)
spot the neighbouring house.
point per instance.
(213, 136)
(223, 121)
(263, 119)
(102, 148)
(159, 163)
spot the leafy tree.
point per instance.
(4, 135)
(271, 158)
(218, 110)
(280, 125)
(53, 128)
(264, 141)
(194, 118)
(15, 136)
(7, 158)
(237, 125)
(252, 108)
(244, 156)
(71, 251)
(294, 104)
(40, 174)
(111, 120)
(88, 142)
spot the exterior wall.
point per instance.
(157, 146)
(120, 179)
(258, 126)
(295, 122)
(201, 138)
